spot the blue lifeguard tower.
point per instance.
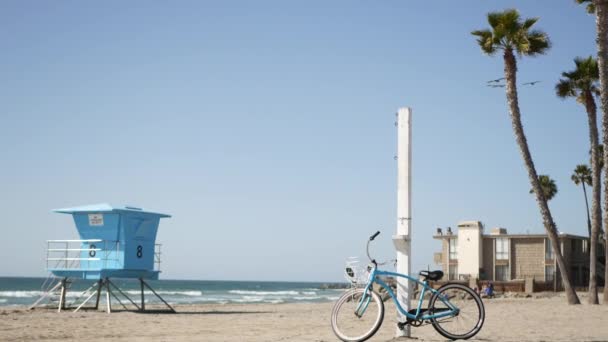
(115, 242)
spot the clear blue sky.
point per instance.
(266, 128)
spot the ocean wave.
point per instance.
(212, 299)
(20, 294)
(265, 293)
(243, 300)
(76, 293)
(306, 298)
(252, 299)
(181, 293)
(177, 295)
(247, 299)
(168, 293)
(32, 294)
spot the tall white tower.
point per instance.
(404, 207)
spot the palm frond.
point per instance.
(579, 61)
(571, 75)
(485, 41)
(494, 19)
(588, 67)
(528, 23)
(539, 43)
(590, 5)
(510, 16)
(511, 24)
(565, 88)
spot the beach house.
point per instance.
(469, 254)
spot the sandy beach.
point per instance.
(544, 317)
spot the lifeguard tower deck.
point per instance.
(115, 242)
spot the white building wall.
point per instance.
(470, 248)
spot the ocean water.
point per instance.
(25, 291)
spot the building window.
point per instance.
(549, 273)
(578, 246)
(453, 273)
(549, 250)
(575, 276)
(585, 247)
(502, 272)
(453, 249)
(502, 249)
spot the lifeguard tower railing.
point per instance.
(89, 255)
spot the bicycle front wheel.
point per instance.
(469, 318)
(357, 315)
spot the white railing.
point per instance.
(92, 254)
(82, 254)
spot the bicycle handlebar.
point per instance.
(372, 260)
(371, 238)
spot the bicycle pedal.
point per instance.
(401, 325)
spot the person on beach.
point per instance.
(488, 291)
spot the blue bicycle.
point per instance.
(454, 310)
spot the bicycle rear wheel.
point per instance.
(471, 313)
(350, 324)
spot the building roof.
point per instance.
(106, 208)
(517, 236)
(467, 224)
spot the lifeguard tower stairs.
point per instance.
(115, 242)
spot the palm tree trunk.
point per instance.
(520, 137)
(601, 22)
(596, 210)
(587, 206)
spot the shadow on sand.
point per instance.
(215, 312)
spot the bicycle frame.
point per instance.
(374, 278)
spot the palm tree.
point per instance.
(548, 186)
(582, 84)
(582, 176)
(600, 8)
(510, 35)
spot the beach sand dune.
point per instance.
(541, 318)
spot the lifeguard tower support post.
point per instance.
(115, 242)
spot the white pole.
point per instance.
(404, 208)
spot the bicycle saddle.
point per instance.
(432, 275)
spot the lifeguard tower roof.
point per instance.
(104, 208)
